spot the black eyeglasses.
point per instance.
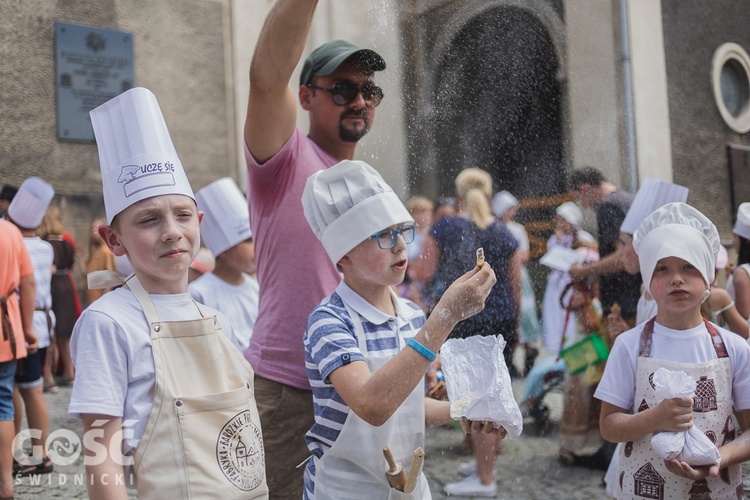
(387, 238)
(343, 93)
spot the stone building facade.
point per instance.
(528, 89)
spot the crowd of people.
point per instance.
(271, 345)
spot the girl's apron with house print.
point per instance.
(203, 438)
(354, 466)
(642, 473)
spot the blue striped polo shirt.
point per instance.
(331, 341)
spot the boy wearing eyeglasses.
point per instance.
(366, 349)
(337, 90)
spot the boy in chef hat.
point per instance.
(367, 350)
(677, 247)
(147, 356)
(26, 211)
(225, 230)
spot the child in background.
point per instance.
(367, 350)
(225, 230)
(420, 209)
(157, 374)
(26, 212)
(505, 207)
(65, 302)
(720, 308)
(677, 247)
(568, 234)
(99, 258)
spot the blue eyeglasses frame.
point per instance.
(407, 232)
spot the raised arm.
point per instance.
(272, 108)
(374, 397)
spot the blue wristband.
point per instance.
(428, 354)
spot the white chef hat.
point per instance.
(502, 202)
(226, 220)
(742, 226)
(347, 203)
(136, 154)
(30, 203)
(651, 195)
(677, 230)
(570, 212)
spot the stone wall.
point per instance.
(693, 30)
(181, 52)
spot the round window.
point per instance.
(731, 83)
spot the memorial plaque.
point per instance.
(92, 65)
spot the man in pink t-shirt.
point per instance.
(337, 89)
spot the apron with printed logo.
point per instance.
(203, 437)
(354, 467)
(642, 473)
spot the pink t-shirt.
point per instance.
(294, 271)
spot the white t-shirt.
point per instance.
(42, 256)
(238, 302)
(111, 350)
(617, 386)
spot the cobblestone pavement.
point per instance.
(527, 469)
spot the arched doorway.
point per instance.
(497, 105)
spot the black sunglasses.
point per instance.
(343, 93)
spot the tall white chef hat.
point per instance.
(677, 230)
(651, 195)
(30, 203)
(226, 221)
(136, 154)
(348, 203)
(502, 202)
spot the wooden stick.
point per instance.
(416, 466)
(395, 472)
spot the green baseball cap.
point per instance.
(325, 59)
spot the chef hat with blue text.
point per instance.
(136, 154)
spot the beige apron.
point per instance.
(203, 437)
(642, 473)
(354, 467)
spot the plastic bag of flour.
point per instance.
(478, 382)
(692, 446)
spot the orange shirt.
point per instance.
(14, 265)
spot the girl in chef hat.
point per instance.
(677, 248)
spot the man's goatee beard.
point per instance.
(348, 135)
